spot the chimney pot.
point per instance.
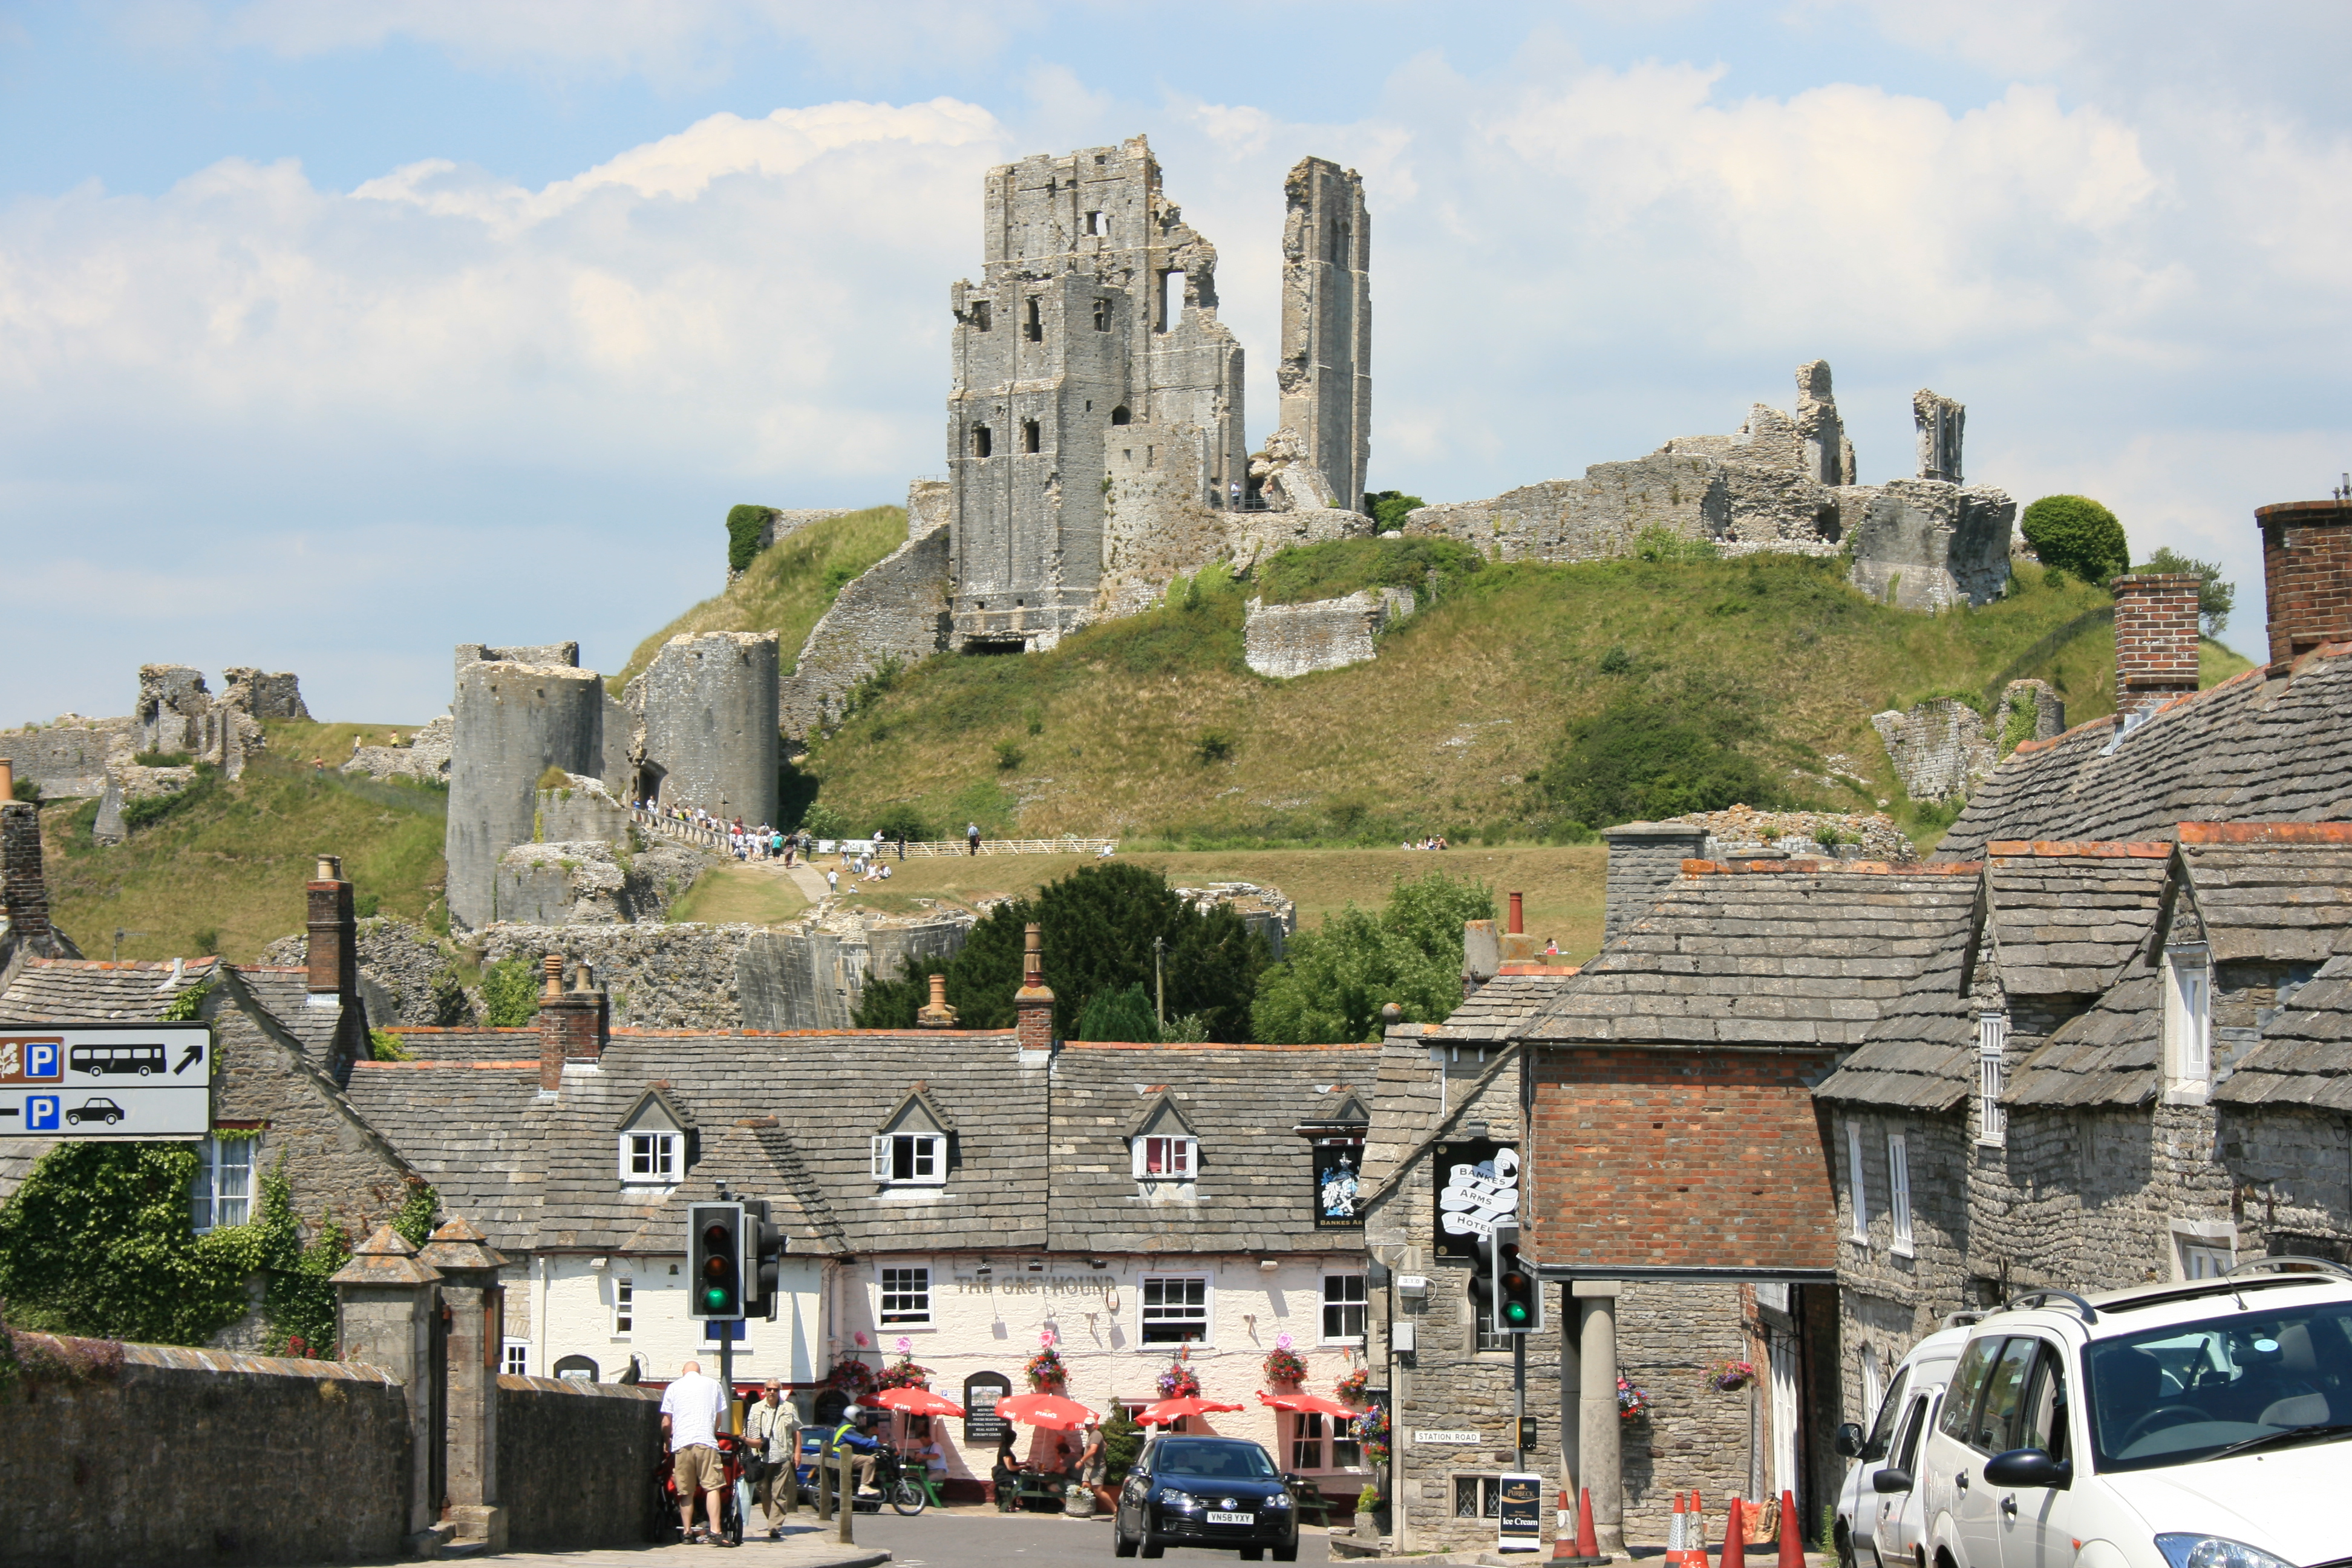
(2156, 637)
(937, 1015)
(1519, 918)
(2307, 576)
(7, 779)
(1033, 1004)
(552, 966)
(573, 1025)
(330, 868)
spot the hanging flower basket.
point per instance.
(1731, 1376)
(1632, 1403)
(1353, 1386)
(851, 1376)
(1046, 1372)
(903, 1373)
(1372, 1431)
(1284, 1367)
(1178, 1381)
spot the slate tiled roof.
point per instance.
(1499, 1010)
(2283, 901)
(2111, 1055)
(286, 992)
(1920, 1055)
(65, 990)
(2250, 748)
(469, 1044)
(2065, 918)
(1766, 952)
(2306, 1057)
(1039, 1157)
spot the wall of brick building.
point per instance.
(185, 1457)
(2307, 570)
(575, 1461)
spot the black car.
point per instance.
(1206, 1491)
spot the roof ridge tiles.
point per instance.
(2091, 848)
(531, 1063)
(460, 1028)
(1831, 867)
(2266, 833)
(133, 966)
(1213, 1046)
(721, 1033)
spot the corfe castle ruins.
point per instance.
(1096, 450)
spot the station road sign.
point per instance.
(148, 1081)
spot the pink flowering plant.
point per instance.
(851, 1375)
(1731, 1376)
(1632, 1403)
(1351, 1387)
(1178, 1381)
(903, 1373)
(1284, 1367)
(1046, 1372)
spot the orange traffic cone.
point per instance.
(1563, 1529)
(1588, 1545)
(1674, 1528)
(1792, 1534)
(1695, 1543)
(1734, 1536)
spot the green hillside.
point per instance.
(1153, 729)
(787, 586)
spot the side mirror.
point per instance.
(1849, 1441)
(2029, 1467)
(1891, 1479)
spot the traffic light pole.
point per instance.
(1518, 1402)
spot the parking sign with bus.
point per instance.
(106, 1081)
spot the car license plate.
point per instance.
(1215, 1518)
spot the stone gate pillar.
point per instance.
(476, 1302)
(1599, 1429)
(384, 1303)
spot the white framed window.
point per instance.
(2187, 1022)
(1164, 1158)
(2203, 1249)
(1175, 1308)
(222, 1193)
(1477, 1497)
(1898, 1192)
(1307, 1442)
(911, 1159)
(1992, 1075)
(650, 1159)
(1856, 1189)
(906, 1296)
(1344, 1301)
(625, 1306)
(515, 1361)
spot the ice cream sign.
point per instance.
(1477, 1188)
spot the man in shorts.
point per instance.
(691, 1410)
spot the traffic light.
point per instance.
(1519, 1299)
(715, 1244)
(763, 1255)
(1481, 1279)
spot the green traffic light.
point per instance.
(715, 1297)
(1517, 1311)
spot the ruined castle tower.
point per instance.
(1090, 344)
(1326, 373)
(709, 724)
(514, 721)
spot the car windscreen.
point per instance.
(1214, 1461)
(2170, 1396)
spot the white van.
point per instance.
(1871, 1528)
(2200, 1425)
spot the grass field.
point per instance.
(747, 895)
(786, 587)
(1562, 883)
(1153, 729)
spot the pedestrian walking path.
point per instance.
(803, 1546)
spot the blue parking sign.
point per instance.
(41, 1113)
(41, 1058)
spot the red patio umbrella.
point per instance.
(1050, 1411)
(916, 1402)
(1168, 1410)
(1306, 1403)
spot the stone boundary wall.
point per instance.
(659, 976)
(784, 522)
(814, 978)
(575, 1461)
(1940, 748)
(70, 760)
(1286, 640)
(896, 609)
(191, 1457)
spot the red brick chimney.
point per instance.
(573, 1025)
(23, 891)
(1518, 947)
(2307, 575)
(1033, 1004)
(2156, 637)
(334, 950)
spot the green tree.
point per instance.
(510, 992)
(1653, 755)
(2076, 533)
(892, 1004)
(1123, 1015)
(1333, 981)
(1122, 1442)
(744, 526)
(1388, 508)
(2215, 598)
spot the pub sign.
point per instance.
(1476, 1186)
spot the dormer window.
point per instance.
(911, 1149)
(1163, 1159)
(2188, 1022)
(653, 1143)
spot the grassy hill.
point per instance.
(787, 586)
(1153, 729)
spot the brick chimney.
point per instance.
(573, 1025)
(2307, 576)
(939, 1015)
(24, 889)
(1518, 947)
(2156, 639)
(1645, 860)
(1033, 1004)
(334, 948)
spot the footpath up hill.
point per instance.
(1153, 729)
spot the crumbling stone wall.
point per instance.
(271, 695)
(1924, 544)
(1940, 749)
(407, 976)
(425, 755)
(1589, 518)
(784, 522)
(583, 808)
(586, 882)
(129, 783)
(512, 722)
(69, 758)
(708, 707)
(1325, 634)
(658, 976)
(812, 974)
(563, 653)
(898, 609)
(1261, 910)
(172, 703)
(1325, 372)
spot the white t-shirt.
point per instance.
(693, 1404)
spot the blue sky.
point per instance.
(332, 334)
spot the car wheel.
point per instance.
(112, 1118)
(1252, 1553)
(1843, 1537)
(1287, 1554)
(1151, 1548)
(1120, 1546)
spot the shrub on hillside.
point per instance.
(744, 526)
(903, 821)
(2215, 598)
(1388, 508)
(1333, 981)
(510, 992)
(2077, 534)
(1653, 755)
(1340, 566)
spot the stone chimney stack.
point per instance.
(334, 948)
(1033, 1004)
(2156, 639)
(2308, 576)
(1481, 955)
(937, 1015)
(1645, 860)
(1518, 947)
(573, 1025)
(24, 889)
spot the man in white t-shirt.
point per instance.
(691, 1410)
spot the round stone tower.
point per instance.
(513, 722)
